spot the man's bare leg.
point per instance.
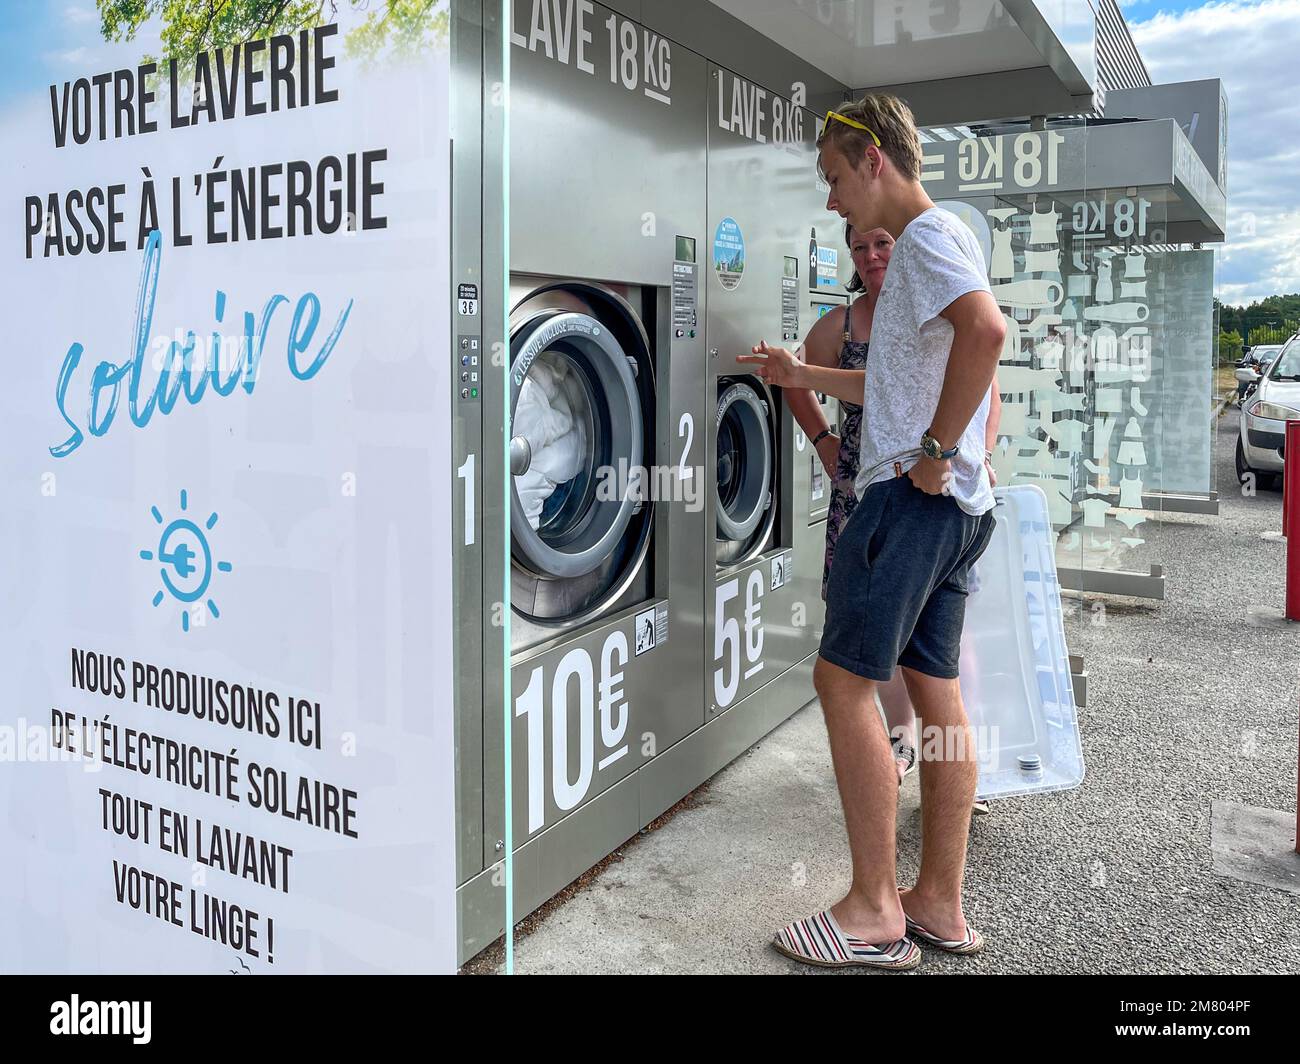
(900, 721)
(868, 783)
(947, 790)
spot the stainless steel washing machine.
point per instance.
(765, 612)
(747, 495)
(627, 606)
(604, 452)
(582, 430)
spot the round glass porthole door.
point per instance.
(577, 428)
(745, 471)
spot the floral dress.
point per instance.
(853, 355)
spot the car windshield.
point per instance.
(1286, 366)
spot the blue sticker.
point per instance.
(729, 253)
(828, 267)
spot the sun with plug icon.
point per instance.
(185, 561)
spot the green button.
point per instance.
(473, 393)
(692, 334)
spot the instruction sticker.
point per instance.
(646, 631)
(729, 253)
(778, 572)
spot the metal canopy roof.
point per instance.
(957, 61)
(1154, 156)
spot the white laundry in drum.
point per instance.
(548, 414)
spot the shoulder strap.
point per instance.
(848, 322)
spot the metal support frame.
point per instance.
(1115, 582)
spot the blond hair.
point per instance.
(890, 119)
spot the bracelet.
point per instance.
(821, 436)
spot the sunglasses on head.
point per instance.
(854, 123)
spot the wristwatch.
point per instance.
(822, 435)
(934, 449)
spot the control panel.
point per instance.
(790, 300)
(467, 345)
(686, 318)
(467, 351)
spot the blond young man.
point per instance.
(897, 588)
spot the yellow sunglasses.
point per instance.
(854, 123)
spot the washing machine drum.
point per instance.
(577, 430)
(745, 465)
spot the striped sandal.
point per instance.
(972, 943)
(819, 940)
(903, 752)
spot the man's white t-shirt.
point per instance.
(935, 261)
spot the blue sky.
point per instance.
(42, 39)
(1251, 44)
(1136, 10)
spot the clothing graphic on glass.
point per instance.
(1049, 353)
(1130, 492)
(1094, 512)
(1108, 400)
(1102, 429)
(1105, 346)
(1003, 263)
(1042, 262)
(1105, 290)
(1132, 452)
(1042, 227)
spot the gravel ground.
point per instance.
(1188, 702)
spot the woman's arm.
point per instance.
(995, 416)
(808, 413)
(991, 429)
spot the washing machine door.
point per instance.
(745, 473)
(577, 430)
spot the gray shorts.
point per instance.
(899, 581)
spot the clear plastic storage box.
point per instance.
(1015, 669)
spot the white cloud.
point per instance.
(79, 14)
(70, 57)
(1251, 46)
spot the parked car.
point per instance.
(1273, 402)
(1252, 365)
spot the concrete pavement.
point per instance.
(1188, 704)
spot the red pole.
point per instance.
(1290, 517)
(1291, 498)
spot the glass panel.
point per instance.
(249, 603)
(1016, 188)
(1117, 307)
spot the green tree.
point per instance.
(193, 26)
(1270, 320)
(1272, 332)
(1229, 348)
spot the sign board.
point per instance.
(226, 736)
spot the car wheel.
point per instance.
(1242, 468)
